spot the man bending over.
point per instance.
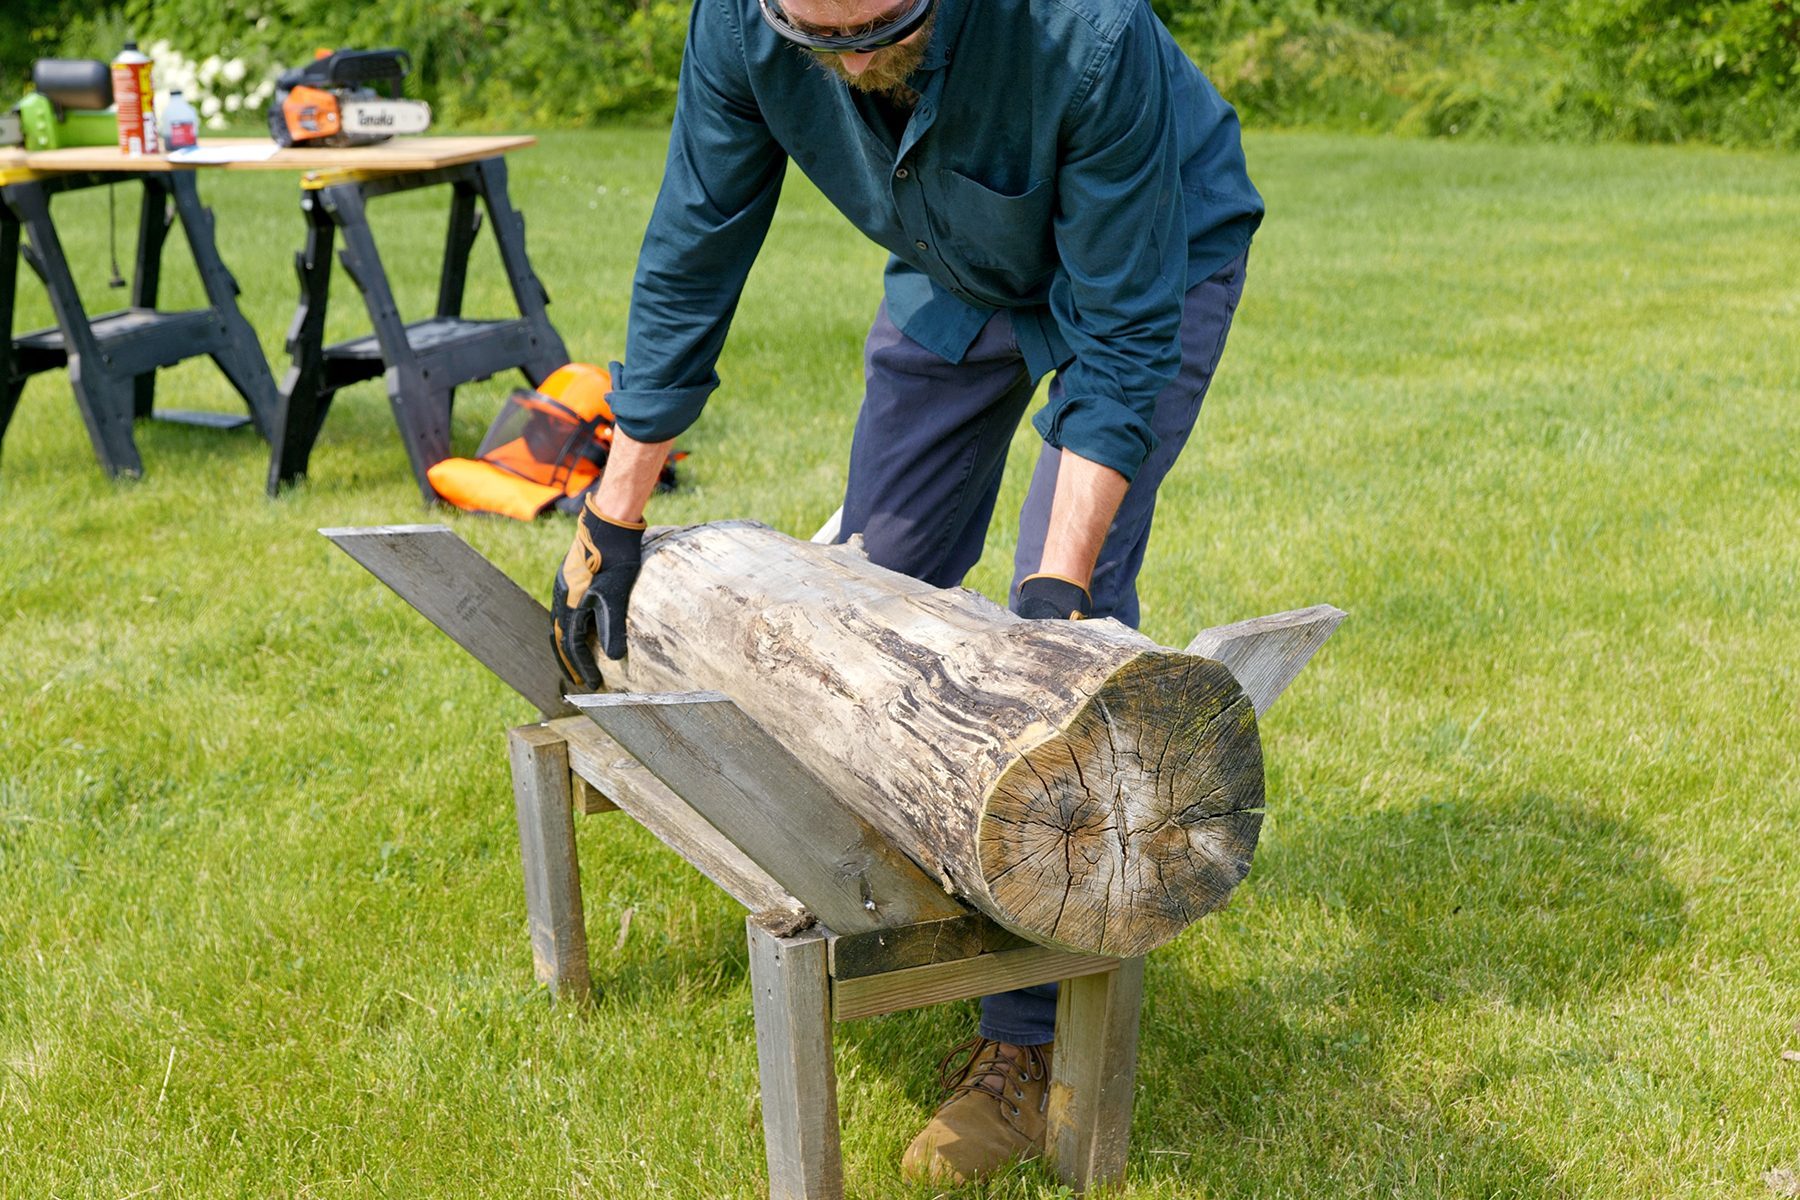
(1060, 191)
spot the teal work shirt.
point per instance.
(1065, 161)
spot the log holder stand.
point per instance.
(841, 924)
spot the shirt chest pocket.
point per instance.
(1008, 234)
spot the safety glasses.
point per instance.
(882, 33)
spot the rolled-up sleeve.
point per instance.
(719, 190)
(1120, 236)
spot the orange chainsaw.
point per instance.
(335, 100)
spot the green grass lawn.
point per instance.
(1525, 921)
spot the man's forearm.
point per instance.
(1087, 498)
(632, 469)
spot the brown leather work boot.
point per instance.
(993, 1115)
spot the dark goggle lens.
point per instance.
(875, 38)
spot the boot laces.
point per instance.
(977, 1065)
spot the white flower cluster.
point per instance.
(214, 86)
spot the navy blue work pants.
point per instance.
(925, 468)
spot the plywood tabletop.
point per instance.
(400, 154)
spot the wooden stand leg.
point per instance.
(792, 989)
(540, 771)
(1091, 1075)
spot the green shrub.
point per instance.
(479, 62)
(1646, 70)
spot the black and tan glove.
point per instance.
(1053, 598)
(592, 592)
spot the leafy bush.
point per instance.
(480, 62)
(1648, 70)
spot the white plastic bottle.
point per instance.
(180, 124)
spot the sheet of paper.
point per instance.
(204, 155)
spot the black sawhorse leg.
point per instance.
(154, 219)
(236, 351)
(12, 371)
(107, 399)
(544, 346)
(305, 393)
(422, 362)
(112, 359)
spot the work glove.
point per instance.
(592, 591)
(1053, 598)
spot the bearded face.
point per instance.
(886, 70)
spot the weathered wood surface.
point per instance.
(540, 771)
(1265, 653)
(597, 758)
(963, 979)
(749, 788)
(1088, 1124)
(857, 954)
(791, 995)
(467, 597)
(588, 798)
(1083, 786)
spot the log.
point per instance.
(1081, 785)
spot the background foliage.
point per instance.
(1726, 71)
(1643, 70)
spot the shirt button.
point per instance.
(902, 173)
(920, 245)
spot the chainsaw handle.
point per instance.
(354, 68)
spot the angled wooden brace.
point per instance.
(1266, 653)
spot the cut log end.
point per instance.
(1115, 834)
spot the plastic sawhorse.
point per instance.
(113, 358)
(423, 362)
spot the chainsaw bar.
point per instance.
(384, 118)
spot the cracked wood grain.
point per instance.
(1082, 786)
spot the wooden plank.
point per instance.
(1088, 1129)
(881, 950)
(400, 154)
(916, 987)
(752, 790)
(588, 798)
(540, 771)
(1265, 653)
(467, 597)
(641, 796)
(791, 994)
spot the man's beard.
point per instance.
(889, 70)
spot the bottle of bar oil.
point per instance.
(180, 123)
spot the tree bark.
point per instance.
(1083, 786)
